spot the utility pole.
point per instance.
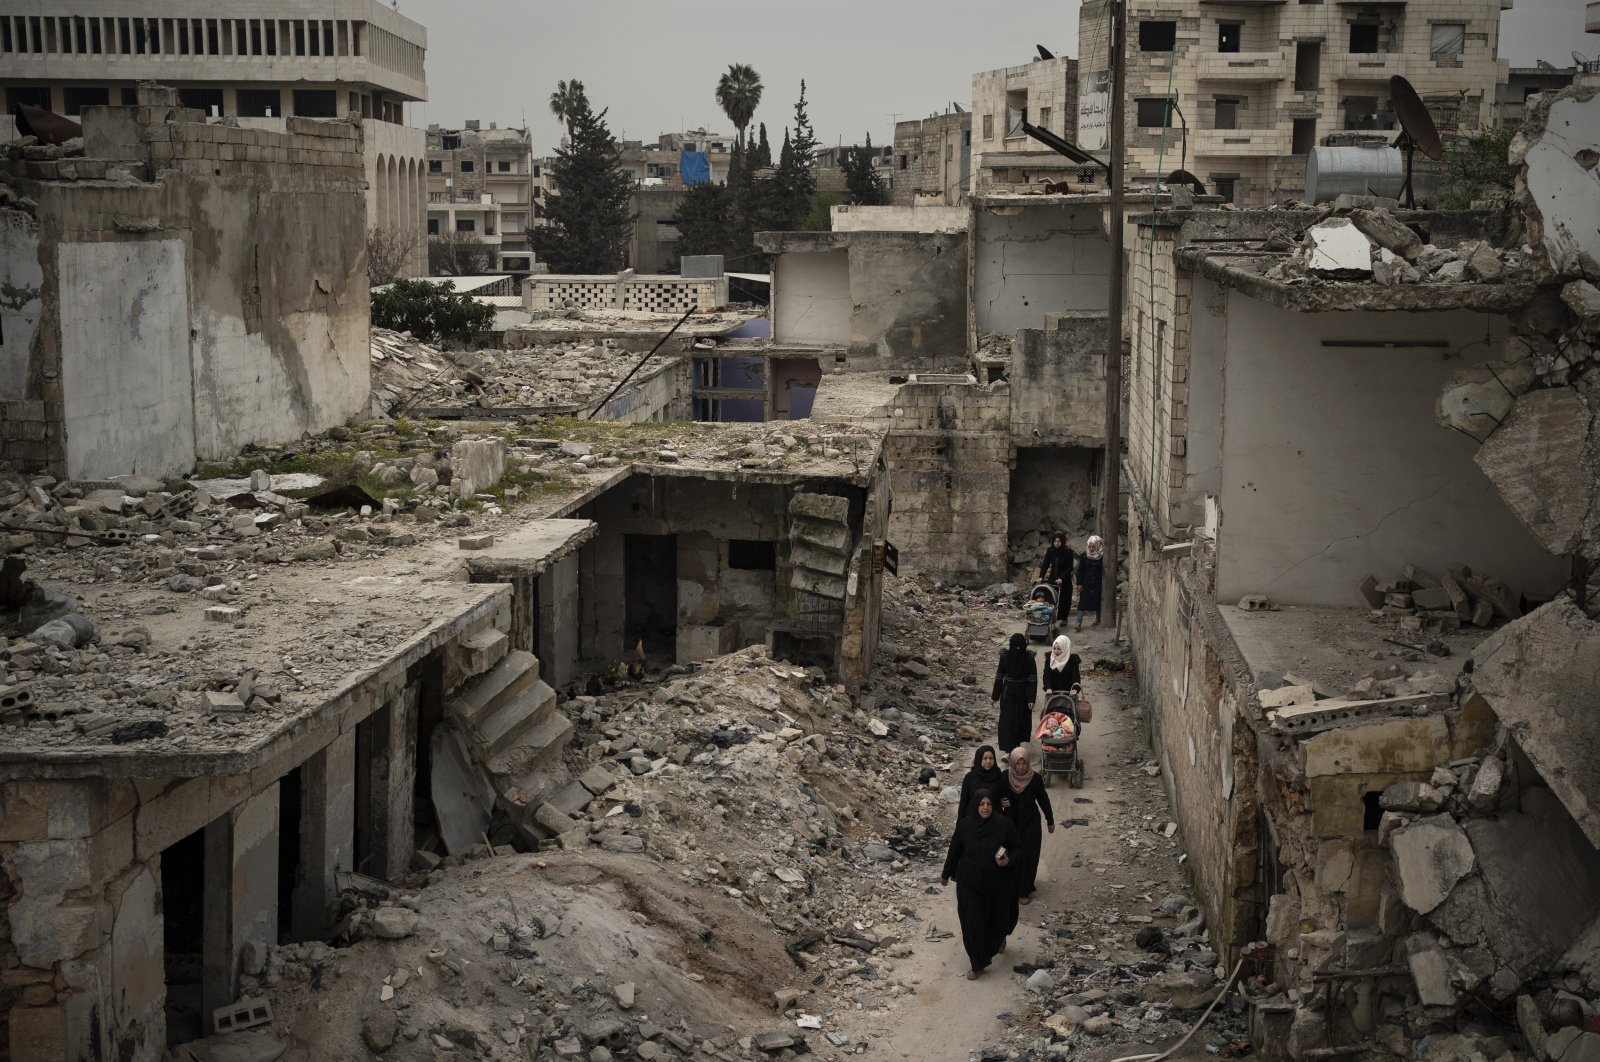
(1111, 481)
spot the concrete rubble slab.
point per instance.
(1430, 856)
(1544, 461)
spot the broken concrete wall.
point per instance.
(658, 393)
(1033, 260)
(1058, 381)
(949, 459)
(1558, 187)
(894, 299)
(1310, 504)
(21, 284)
(228, 274)
(1052, 489)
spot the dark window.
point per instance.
(515, 263)
(1363, 38)
(903, 160)
(451, 143)
(1361, 112)
(466, 225)
(1228, 36)
(74, 100)
(316, 103)
(1448, 39)
(435, 166)
(38, 96)
(538, 192)
(1158, 36)
(260, 103)
(433, 226)
(1227, 113)
(466, 165)
(1224, 187)
(1371, 810)
(1305, 136)
(503, 166)
(130, 97)
(745, 555)
(1307, 65)
(1155, 112)
(207, 100)
(536, 171)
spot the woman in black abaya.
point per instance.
(1025, 795)
(980, 862)
(1016, 686)
(985, 774)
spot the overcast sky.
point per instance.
(655, 63)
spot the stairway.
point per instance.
(513, 729)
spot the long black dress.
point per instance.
(1090, 569)
(986, 899)
(1024, 812)
(1016, 684)
(1057, 564)
(1062, 681)
(977, 779)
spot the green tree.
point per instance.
(430, 311)
(820, 219)
(591, 220)
(1478, 167)
(738, 94)
(797, 180)
(704, 220)
(565, 101)
(761, 155)
(860, 179)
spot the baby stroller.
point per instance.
(1043, 616)
(1059, 733)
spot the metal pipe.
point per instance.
(620, 384)
(1111, 481)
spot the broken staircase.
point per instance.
(509, 716)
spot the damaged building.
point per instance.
(1361, 477)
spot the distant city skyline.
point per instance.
(655, 66)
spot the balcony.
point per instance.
(1369, 66)
(1237, 143)
(1242, 66)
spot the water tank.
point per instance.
(1375, 169)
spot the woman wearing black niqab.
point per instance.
(985, 774)
(1016, 685)
(979, 861)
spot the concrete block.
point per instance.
(1430, 856)
(475, 541)
(552, 820)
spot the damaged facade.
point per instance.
(1361, 475)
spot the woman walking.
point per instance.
(1016, 685)
(985, 774)
(1091, 566)
(1027, 798)
(1062, 668)
(1056, 569)
(980, 862)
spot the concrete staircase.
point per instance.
(515, 733)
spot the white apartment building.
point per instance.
(1257, 85)
(1042, 93)
(258, 61)
(481, 185)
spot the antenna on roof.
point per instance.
(1044, 53)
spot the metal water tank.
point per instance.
(1375, 169)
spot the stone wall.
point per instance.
(1036, 259)
(1058, 380)
(226, 273)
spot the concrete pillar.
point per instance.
(390, 749)
(327, 833)
(558, 621)
(241, 897)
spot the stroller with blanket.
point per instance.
(1059, 733)
(1043, 612)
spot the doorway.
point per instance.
(183, 890)
(650, 593)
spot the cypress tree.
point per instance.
(590, 217)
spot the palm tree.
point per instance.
(738, 94)
(566, 101)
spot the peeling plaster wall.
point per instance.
(1564, 192)
(21, 280)
(125, 358)
(1333, 466)
(1043, 259)
(811, 298)
(1058, 382)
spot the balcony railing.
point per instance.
(1223, 143)
(1370, 66)
(1242, 66)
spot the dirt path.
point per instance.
(949, 1017)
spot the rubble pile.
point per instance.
(1359, 238)
(1422, 602)
(408, 375)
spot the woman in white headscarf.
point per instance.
(1091, 566)
(1062, 668)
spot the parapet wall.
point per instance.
(643, 293)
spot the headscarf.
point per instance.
(981, 825)
(1095, 547)
(1014, 661)
(1019, 779)
(986, 778)
(1060, 652)
(1058, 541)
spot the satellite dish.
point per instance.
(1044, 53)
(959, 109)
(1545, 64)
(1414, 118)
(1578, 57)
(1185, 177)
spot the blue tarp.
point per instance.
(694, 167)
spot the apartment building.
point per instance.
(1239, 93)
(481, 186)
(255, 61)
(932, 159)
(1043, 93)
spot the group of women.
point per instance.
(1063, 569)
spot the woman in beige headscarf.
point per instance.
(1091, 566)
(1028, 798)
